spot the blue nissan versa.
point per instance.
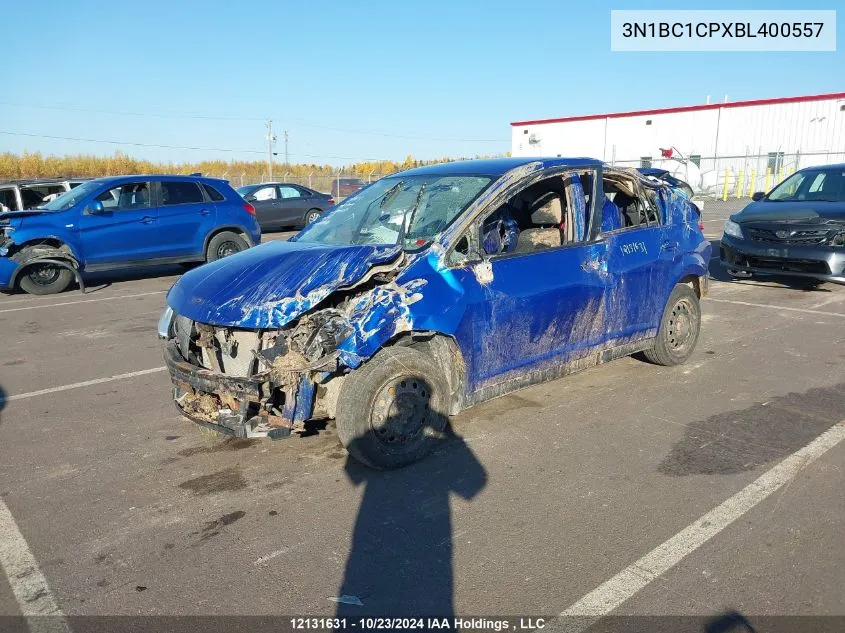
(120, 222)
(432, 290)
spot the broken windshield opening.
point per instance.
(406, 210)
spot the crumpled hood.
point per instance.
(270, 285)
(805, 212)
(15, 218)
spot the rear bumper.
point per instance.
(814, 262)
(236, 406)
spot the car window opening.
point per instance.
(624, 207)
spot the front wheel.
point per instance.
(679, 328)
(392, 410)
(223, 245)
(46, 278)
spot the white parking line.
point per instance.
(28, 583)
(86, 383)
(624, 585)
(70, 303)
(774, 307)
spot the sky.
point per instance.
(349, 81)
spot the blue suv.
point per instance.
(432, 290)
(122, 222)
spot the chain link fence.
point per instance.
(727, 183)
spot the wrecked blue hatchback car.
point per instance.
(432, 290)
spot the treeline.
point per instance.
(36, 165)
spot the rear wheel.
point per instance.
(223, 245)
(679, 328)
(392, 410)
(46, 278)
(312, 215)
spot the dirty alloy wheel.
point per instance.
(679, 328)
(45, 279)
(392, 410)
(223, 245)
(312, 215)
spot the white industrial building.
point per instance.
(701, 143)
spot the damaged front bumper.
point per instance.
(241, 407)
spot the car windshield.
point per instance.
(70, 198)
(244, 191)
(818, 185)
(407, 209)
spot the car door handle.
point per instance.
(147, 219)
(205, 212)
(669, 246)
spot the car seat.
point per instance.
(549, 217)
(611, 217)
(627, 206)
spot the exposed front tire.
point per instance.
(46, 278)
(223, 245)
(392, 410)
(679, 328)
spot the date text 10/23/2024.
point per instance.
(408, 624)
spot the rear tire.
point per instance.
(223, 245)
(311, 216)
(44, 279)
(392, 410)
(679, 328)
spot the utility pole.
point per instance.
(270, 140)
(286, 149)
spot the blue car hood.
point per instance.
(271, 285)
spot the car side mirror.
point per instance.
(96, 208)
(759, 195)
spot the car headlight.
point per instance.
(733, 229)
(165, 322)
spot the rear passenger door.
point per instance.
(293, 204)
(638, 251)
(185, 217)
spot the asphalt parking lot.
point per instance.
(554, 498)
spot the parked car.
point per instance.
(797, 229)
(343, 187)
(281, 204)
(123, 222)
(16, 195)
(432, 290)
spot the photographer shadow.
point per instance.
(400, 562)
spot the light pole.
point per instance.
(270, 141)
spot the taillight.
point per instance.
(330, 201)
(249, 208)
(700, 225)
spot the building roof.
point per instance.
(694, 108)
(495, 166)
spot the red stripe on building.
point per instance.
(708, 106)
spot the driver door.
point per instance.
(127, 228)
(533, 306)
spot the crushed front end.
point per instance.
(259, 343)
(255, 383)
